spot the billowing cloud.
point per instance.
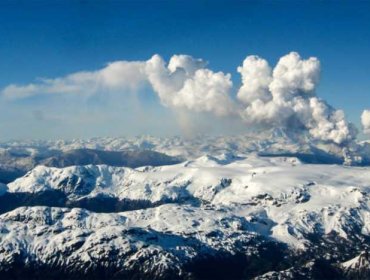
(293, 76)
(256, 78)
(285, 96)
(185, 83)
(365, 120)
(282, 96)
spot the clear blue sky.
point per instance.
(55, 38)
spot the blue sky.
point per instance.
(40, 39)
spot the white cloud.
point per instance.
(256, 78)
(294, 76)
(17, 92)
(122, 74)
(184, 83)
(287, 98)
(186, 62)
(165, 82)
(116, 75)
(365, 120)
(329, 124)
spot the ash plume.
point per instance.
(283, 96)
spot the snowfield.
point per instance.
(169, 221)
(278, 197)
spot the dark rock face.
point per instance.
(11, 201)
(211, 265)
(9, 175)
(98, 204)
(359, 267)
(315, 269)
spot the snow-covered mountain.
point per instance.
(17, 157)
(274, 142)
(219, 216)
(16, 161)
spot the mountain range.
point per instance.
(278, 207)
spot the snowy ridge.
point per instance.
(151, 242)
(215, 210)
(288, 199)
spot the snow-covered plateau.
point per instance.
(219, 213)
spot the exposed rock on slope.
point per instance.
(358, 267)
